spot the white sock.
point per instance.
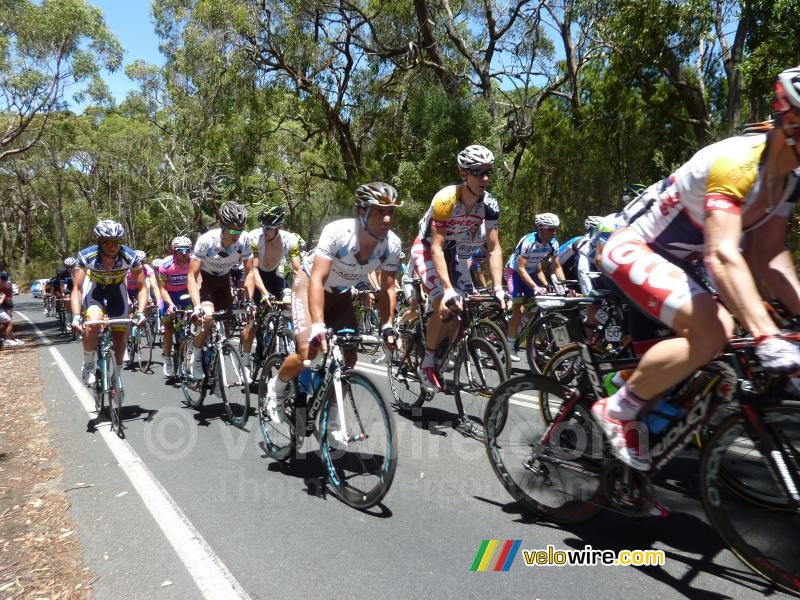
(280, 386)
(624, 405)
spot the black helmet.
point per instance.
(271, 216)
(232, 214)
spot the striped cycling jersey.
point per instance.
(215, 259)
(531, 249)
(449, 216)
(173, 275)
(90, 260)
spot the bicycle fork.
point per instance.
(340, 434)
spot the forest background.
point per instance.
(296, 102)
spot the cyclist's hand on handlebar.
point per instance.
(140, 319)
(318, 337)
(451, 301)
(76, 324)
(505, 299)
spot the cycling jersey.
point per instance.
(531, 249)
(217, 260)
(449, 216)
(90, 260)
(338, 242)
(173, 275)
(130, 278)
(723, 176)
(291, 243)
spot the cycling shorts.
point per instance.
(217, 290)
(4, 317)
(518, 289)
(339, 312)
(114, 297)
(176, 300)
(274, 283)
(457, 270)
(659, 287)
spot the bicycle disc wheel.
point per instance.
(194, 390)
(279, 438)
(144, 349)
(560, 481)
(492, 333)
(402, 367)
(758, 534)
(362, 458)
(540, 345)
(233, 385)
(477, 375)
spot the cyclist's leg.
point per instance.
(436, 330)
(519, 292)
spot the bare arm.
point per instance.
(387, 297)
(253, 281)
(731, 274)
(249, 275)
(316, 288)
(77, 287)
(766, 254)
(191, 282)
(495, 256)
(437, 256)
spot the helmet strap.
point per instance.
(473, 192)
(363, 222)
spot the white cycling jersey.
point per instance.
(723, 176)
(215, 259)
(338, 242)
(291, 243)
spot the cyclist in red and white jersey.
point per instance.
(173, 275)
(741, 185)
(454, 218)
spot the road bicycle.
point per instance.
(275, 334)
(223, 373)
(346, 412)
(108, 389)
(473, 361)
(750, 457)
(140, 347)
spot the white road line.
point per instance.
(206, 568)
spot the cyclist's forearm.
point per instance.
(194, 290)
(316, 301)
(781, 279)
(141, 299)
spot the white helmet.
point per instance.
(156, 263)
(141, 255)
(787, 90)
(475, 155)
(591, 222)
(547, 220)
(181, 242)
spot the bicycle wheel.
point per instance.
(402, 366)
(478, 372)
(540, 345)
(492, 333)
(97, 390)
(144, 349)
(362, 458)
(233, 386)
(370, 324)
(115, 395)
(194, 390)
(284, 343)
(565, 367)
(758, 534)
(560, 481)
(279, 438)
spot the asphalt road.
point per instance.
(260, 529)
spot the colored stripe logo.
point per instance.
(495, 555)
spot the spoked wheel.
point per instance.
(734, 472)
(560, 481)
(370, 324)
(477, 375)
(279, 438)
(493, 334)
(99, 397)
(361, 455)
(144, 349)
(234, 387)
(194, 390)
(565, 367)
(402, 366)
(284, 344)
(541, 345)
(115, 397)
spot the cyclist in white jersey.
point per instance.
(742, 185)
(348, 250)
(215, 253)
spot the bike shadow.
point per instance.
(434, 420)
(310, 468)
(215, 411)
(127, 414)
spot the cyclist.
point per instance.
(99, 289)
(568, 252)
(454, 217)
(149, 280)
(6, 310)
(172, 282)
(525, 264)
(745, 184)
(348, 250)
(215, 254)
(272, 248)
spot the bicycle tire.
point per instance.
(144, 349)
(475, 377)
(540, 345)
(401, 365)
(362, 470)
(370, 324)
(194, 390)
(233, 386)
(514, 431)
(746, 527)
(566, 368)
(115, 396)
(487, 330)
(284, 342)
(279, 438)
(97, 389)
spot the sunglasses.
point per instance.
(548, 228)
(182, 250)
(111, 241)
(480, 172)
(269, 227)
(230, 231)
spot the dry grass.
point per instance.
(39, 550)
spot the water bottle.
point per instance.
(663, 414)
(305, 381)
